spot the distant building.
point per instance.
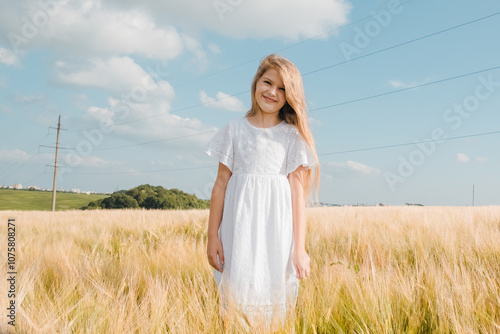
(16, 186)
(76, 191)
(34, 187)
(413, 204)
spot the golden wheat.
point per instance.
(374, 270)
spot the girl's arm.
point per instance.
(300, 258)
(214, 245)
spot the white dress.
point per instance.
(256, 230)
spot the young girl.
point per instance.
(257, 225)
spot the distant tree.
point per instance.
(152, 202)
(119, 201)
(150, 197)
(93, 205)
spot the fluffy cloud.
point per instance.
(249, 19)
(401, 84)
(116, 75)
(18, 156)
(222, 101)
(461, 157)
(351, 168)
(481, 159)
(18, 98)
(214, 48)
(8, 57)
(6, 109)
(94, 161)
(144, 122)
(87, 28)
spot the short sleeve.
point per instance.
(220, 147)
(299, 154)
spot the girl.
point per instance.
(257, 225)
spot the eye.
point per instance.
(267, 82)
(282, 88)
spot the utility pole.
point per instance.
(55, 166)
(472, 195)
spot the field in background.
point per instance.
(374, 270)
(11, 199)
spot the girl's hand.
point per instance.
(214, 247)
(301, 263)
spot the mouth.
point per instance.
(268, 99)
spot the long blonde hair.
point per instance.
(294, 111)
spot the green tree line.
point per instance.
(149, 197)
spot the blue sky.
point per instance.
(142, 88)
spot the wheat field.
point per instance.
(374, 270)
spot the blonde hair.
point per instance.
(294, 111)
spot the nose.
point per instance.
(272, 90)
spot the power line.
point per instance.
(55, 165)
(144, 172)
(153, 142)
(20, 159)
(412, 143)
(320, 108)
(307, 40)
(34, 178)
(21, 167)
(321, 154)
(310, 72)
(401, 44)
(169, 112)
(405, 89)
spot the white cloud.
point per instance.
(155, 124)
(481, 159)
(461, 157)
(13, 155)
(160, 163)
(19, 156)
(195, 47)
(91, 29)
(351, 168)
(6, 109)
(222, 101)
(18, 98)
(313, 121)
(116, 75)
(8, 58)
(80, 101)
(94, 161)
(401, 84)
(214, 48)
(257, 19)
(326, 175)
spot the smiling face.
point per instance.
(270, 92)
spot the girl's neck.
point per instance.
(264, 120)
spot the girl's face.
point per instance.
(270, 92)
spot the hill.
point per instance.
(11, 199)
